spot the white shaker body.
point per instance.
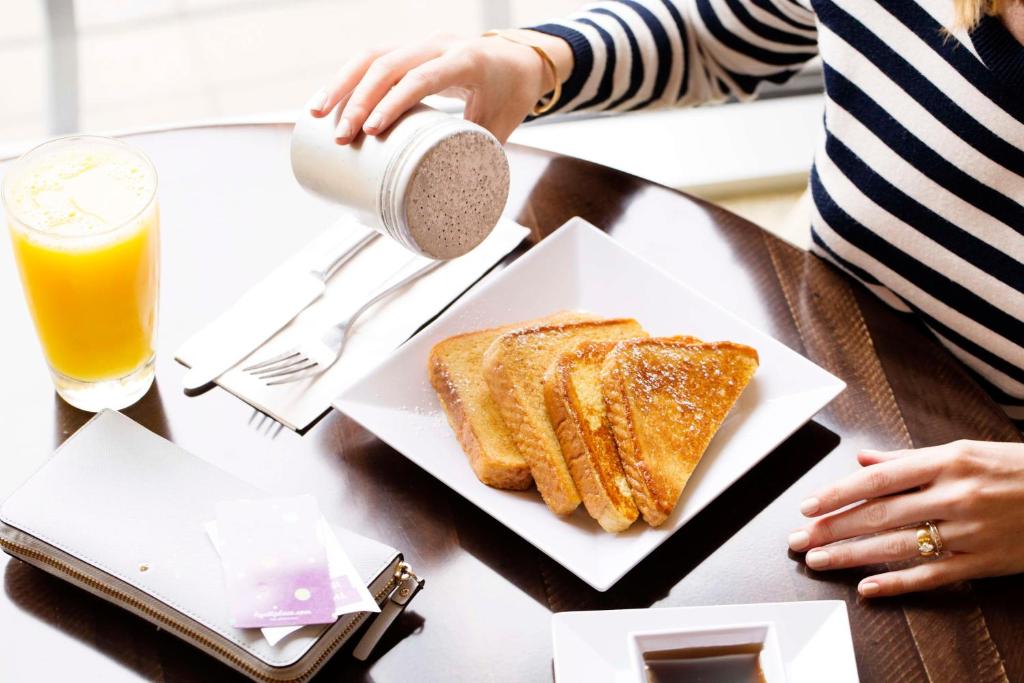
(433, 182)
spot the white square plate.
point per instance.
(580, 267)
(814, 638)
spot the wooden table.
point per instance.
(230, 211)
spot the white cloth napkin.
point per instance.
(378, 332)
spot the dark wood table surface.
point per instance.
(230, 211)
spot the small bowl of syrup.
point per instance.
(740, 653)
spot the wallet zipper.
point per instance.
(406, 588)
(402, 571)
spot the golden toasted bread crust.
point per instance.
(492, 454)
(620, 418)
(506, 473)
(665, 399)
(514, 367)
(590, 453)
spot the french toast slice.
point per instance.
(665, 399)
(575, 402)
(572, 394)
(455, 373)
(514, 366)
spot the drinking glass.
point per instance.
(84, 222)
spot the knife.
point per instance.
(268, 311)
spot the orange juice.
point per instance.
(84, 223)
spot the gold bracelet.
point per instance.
(541, 107)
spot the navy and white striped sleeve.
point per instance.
(633, 54)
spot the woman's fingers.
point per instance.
(882, 479)
(890, 546)
(921, 577)
(379, 78)
(430, 78)
(972, 494)
(317, 104)
(870, 457)
(325, 99)
(876, 515)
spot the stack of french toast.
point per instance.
(589, 409)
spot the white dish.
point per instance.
(579, 267)
(762, 635)
(814, 639)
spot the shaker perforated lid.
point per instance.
(456, 194)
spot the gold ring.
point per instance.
(929, 542)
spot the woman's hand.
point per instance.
(500, 81)
(972, 490)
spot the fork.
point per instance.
(313, 356)
(265, 424)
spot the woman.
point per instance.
(918, 189)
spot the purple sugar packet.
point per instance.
(275, 564)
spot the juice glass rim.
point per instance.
(21, 161)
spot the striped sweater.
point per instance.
(918, 179)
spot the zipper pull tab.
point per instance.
(408, 586)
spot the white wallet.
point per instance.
(119, 511)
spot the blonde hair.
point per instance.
(970, 12)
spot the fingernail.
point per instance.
(798, 540)
(344, 130)
(810, 506)
(870, 451)
(869, 588)
(817, 559)
(318, 100)
(374, 122)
